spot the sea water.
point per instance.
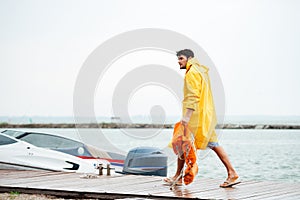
(272, 155)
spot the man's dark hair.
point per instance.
(186, 52)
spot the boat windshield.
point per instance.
(4, 140)
(13, 133)
(49, 141)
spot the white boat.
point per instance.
(54, 152)
(18, 154)
(68, 146)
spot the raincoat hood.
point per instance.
(194, 62)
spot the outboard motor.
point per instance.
(146, 161)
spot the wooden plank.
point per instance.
(105, 183)
(190, 190)
(216, 188)
(61, 179)
(8, 174)
(214, 191)
(242, 193)
(208, 185)
(290, 195)
(139, 181)
(44, 178)
(97, 184)
(275, 193)
(25, 173)
(123, 187)
(154, 188)
(146, 187)
(265, 189)
(131, 180)
(228, 193)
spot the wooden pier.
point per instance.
(117, 186)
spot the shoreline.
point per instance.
(124, 125)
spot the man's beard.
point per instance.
(184, 67)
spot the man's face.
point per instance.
(182, 61)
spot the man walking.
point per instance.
(198, 113)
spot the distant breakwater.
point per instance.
(124, 125)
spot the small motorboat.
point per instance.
(140, 160)
(18, 154)
(68, 146)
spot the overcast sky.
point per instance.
(254, 45)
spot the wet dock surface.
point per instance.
(117, 186)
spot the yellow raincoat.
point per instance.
(198, 96)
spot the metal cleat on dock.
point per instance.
(108, 169)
